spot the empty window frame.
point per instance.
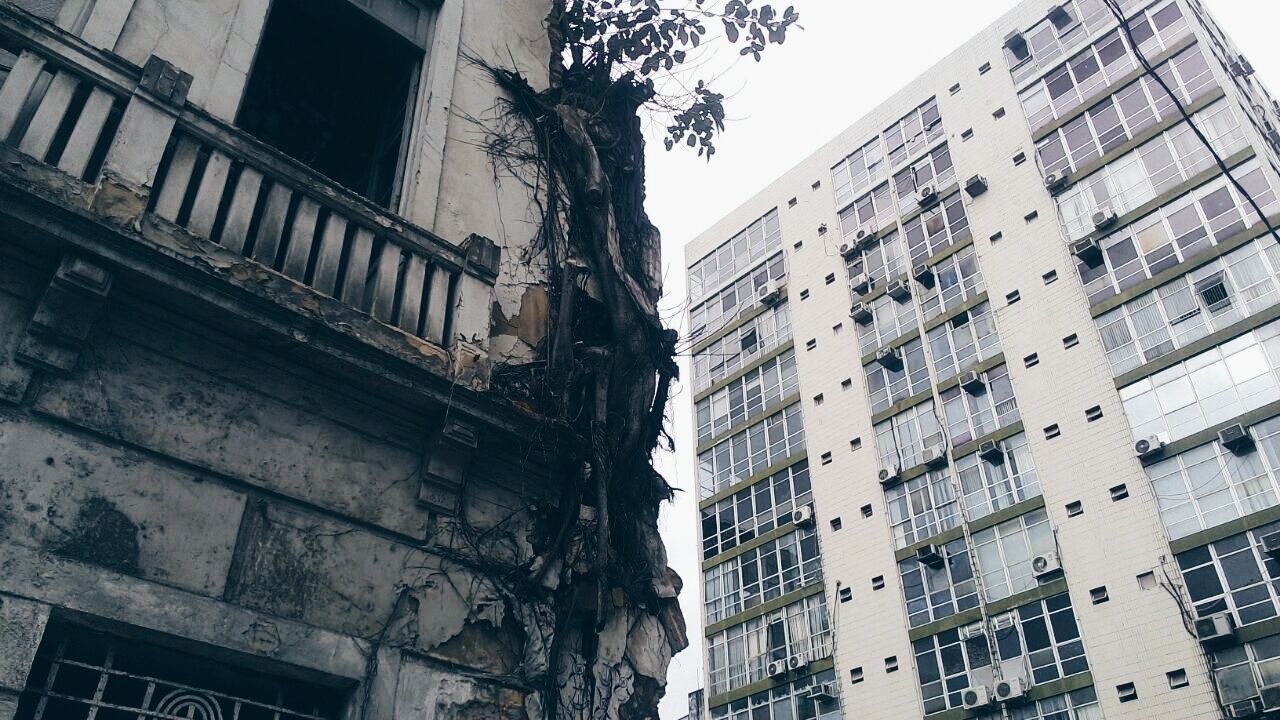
(1004, 553)
(751, 451)
(933, 170)
(882, 261)
(1233, 575)
(901, 439)
(970, 416)
(80, 672)
(784, 702)
(761, 574)
(1098, 66)
(963, 341)
(335, 88)
(860, 170)
(886, 387)
(741, 346)
(957, 280)
(740, 655)
(872, 212)
(989, 486)
(742, 295)
(759, 240)
(922, 507)
(890, 320)
(755, 510)
(1155, 167)
(1214, 386)
(936, 229)
(1117, 119)
(1241, 671)
(1177, 232)
(759, 389)
(936, 592)
(916, 131)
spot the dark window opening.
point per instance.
(80, 672)
(334, 88)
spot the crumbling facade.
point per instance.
(270, 437)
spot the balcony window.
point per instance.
(940, 590)
(993, 484)
(1234, 575)
(335, 88)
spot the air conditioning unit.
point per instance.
(771, 293)
(865, 237)
(796, 662)
(1151, 446)
(890, 476)
(926, 196)
(1103, 218)
(934, 456)
(1216, 628)
(1250, 708)
(1271, 544)
(889, 358)
(1271, 697)
(923, 275)
(975, 185)
(848, 250)
(1236, 438)
(802, 515)
(1006, 690)
(1088, 250)
(1056, 182)
(1241, 67)
(861, 313)
(972, 383)
(776, 668)
(992, 451)
(1045, 566)
(975, 697)
(931, 555)
(822, 691)
(822, 229)
(861, 283)
(899, 290)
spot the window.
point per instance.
(883, 261)
(1218, 384)
(76, 670)
(946, 661)
(901, 439)
(740, 655)
(1177, 232)
(1155, 167)
(1093, 69)
(957, 280)
(886, 387)
(872, 212)
(1119, 118)
(970, 417)
(858, 171)
(1041, 637)
(993, 484)
(746, 397)
(1233, 575)
(751, 451)
(735, 299)
(789, 701)
(934, 170)
(741, 346)
(936, 229)
(1056, 34)
(334, 88)
(761, 574)
(933, 593)
(759, 240)
(1210, 298)
(914, 132)
(964, 341)
(1079, 704)
(922, 507)
(1003, 554)
(755, 510)
(890, 320)
(1240, 671)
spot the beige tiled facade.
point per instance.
(1121, 587)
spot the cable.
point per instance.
(1150, 71)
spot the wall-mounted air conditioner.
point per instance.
(1151, 445)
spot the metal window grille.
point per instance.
(82, 674)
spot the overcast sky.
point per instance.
(850, 57)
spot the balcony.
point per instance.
(106, 158)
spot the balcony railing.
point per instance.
(137, 158)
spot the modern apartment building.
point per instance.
(987, 391)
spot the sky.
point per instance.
(850, 56)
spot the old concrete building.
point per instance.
(987, 391)
(257, 285)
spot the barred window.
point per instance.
(82, 673)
